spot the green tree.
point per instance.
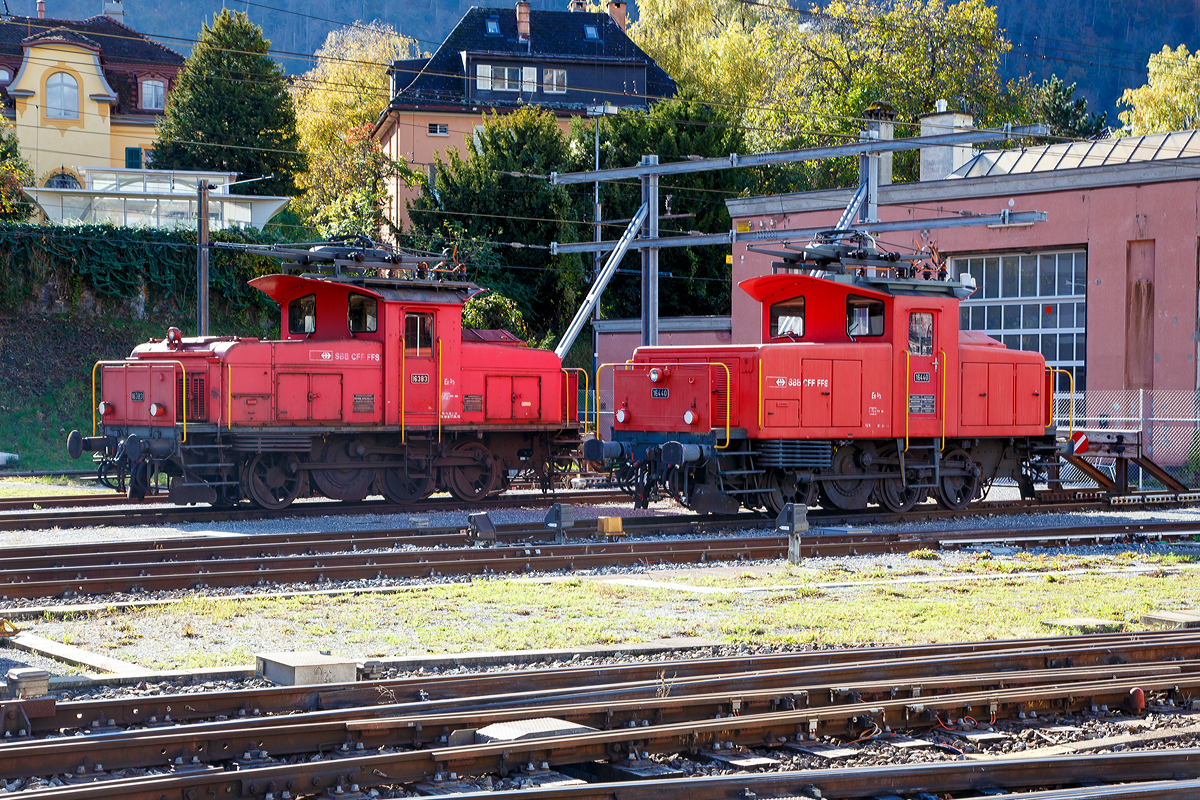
(1066, 114)
(487, 196)
(348, 185)
(674, 130)
(15, 172)
(493, 311)
(714, 48)
(231, 110)
(833, 62)
(1170, 98)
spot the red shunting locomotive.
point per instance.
(864, 390)
(373, 387)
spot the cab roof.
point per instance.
(281, 287)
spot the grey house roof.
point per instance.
(553, 36)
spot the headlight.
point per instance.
(622, 416)
(655, 375)
(690, 417)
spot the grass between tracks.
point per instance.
(516, 615)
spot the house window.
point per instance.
(154, 95)
(62, 97)
(5, 75)
(493, 27)
(62, 180)
(554, 81)
(590, 32)
(506, 79)
(438, 130)
(133, 158)
(483, 77)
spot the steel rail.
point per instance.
(429, 693)
(422, 727)
(756, 730)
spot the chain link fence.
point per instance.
(1168, 420)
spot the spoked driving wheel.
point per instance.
(400, 486)
(956, 490)
(852, 487)
(896, 497)
(476, 478)
(274, 480)
(349, 473)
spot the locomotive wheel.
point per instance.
(350, 482)
(852, 491)
(273, 480)
(474, 481)
(955, 492)
(402, 487)
(781, 490)
(896, 497)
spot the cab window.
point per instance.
(302, 314)
(418, 335)
(362, 314)
(864, 316)
(920, 333)
(787, 318)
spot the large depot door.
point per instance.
(924, 378)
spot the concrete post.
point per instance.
(202, 258)
(650, 258)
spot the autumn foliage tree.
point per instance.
(1170, 98)
(15, 172)
(231, 110)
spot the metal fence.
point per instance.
(1168, 419)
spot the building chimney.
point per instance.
(523, 20)
(938, 162)
(881, 119)
(616, 10)
(41, 9)
(576, 5)
(114, 9)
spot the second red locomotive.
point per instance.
(864, 390)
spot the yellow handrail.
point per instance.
(728, 390)
(760, 391)
(403, 385)
(147, 363)
(587, 387)
(229, 389)
(1071, 383)
(942, 354)
(437, 397)
(907, 396)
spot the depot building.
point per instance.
(1105, 287)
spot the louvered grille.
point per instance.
(813, 453)
(720, 398)
(197, 408)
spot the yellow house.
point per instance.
(83, 93)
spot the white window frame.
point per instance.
(58, 93)
(5, 75)
(554, 81)
(591, 33)
(161, 86)
(529, 80)
(438, 129)
(506, 79)
(483, 77)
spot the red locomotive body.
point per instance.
(864, 390)
(372, 387)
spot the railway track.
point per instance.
(616, 720)
(132, 567)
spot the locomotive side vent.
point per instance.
(795, 453)
(197, 409)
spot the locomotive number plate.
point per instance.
(419, 377)
(663, 392)
(137, 397)
(922, 404)
(920, 377)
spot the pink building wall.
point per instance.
(1129, 230)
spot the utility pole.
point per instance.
(202, 189)
(650, 256)
(596, 258)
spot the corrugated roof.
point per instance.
(1077, 155)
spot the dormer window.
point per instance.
(62, 97)
(590, 32)
(154, 95)
(493, 27)
(5, 75)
